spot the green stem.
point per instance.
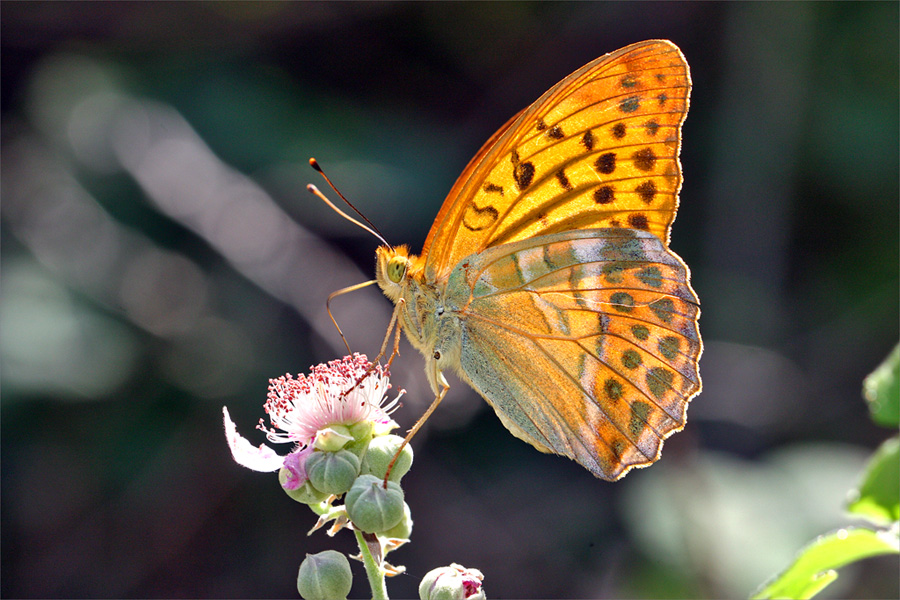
(373, 569)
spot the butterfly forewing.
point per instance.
(600, 149)
(591, 340)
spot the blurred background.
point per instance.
(161, 258)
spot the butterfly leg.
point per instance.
(394, 325)
(415, 428)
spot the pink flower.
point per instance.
(306, 408)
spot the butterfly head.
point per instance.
(393, 267)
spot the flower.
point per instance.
(321, 406)
(453, 582)
(304, 407)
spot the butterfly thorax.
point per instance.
(431, 326)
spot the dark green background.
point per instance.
(153, 170)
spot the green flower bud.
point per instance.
(403, 529)
(372, 508)
(358, 447)
(381, 452)
(332, 472)
(362, 430)
(333, 438)
(306, 493)
(452, 583)
(324, 576)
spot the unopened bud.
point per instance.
(403, 529)
(324, 576)
(452, 583)
(332, 472)
(371, 507)
(306, 493)
(381, 452)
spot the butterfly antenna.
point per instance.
(314, 190)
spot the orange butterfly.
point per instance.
(546, 281)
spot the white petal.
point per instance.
(331, 440)
(384, 427)
(245, 454)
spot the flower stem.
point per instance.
(373, 568)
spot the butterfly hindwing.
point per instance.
(584, 342)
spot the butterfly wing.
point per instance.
(584, 342)
(546, 279)
(599, 149)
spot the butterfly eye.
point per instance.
(396, 268)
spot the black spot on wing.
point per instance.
(646, 191)
(523, 172)
(477, 219)
(493, 188)
(587, 140)
(638, 221)
(604, 194)
(644, 159)
(630, 104)
(606, 163)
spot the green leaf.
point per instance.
(878, 496)
(814, 567)
(881, 389)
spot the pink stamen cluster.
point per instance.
(471, 586)
(343, 392)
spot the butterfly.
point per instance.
(546, 282)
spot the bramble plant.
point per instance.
(876, 499)
(339, 424)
